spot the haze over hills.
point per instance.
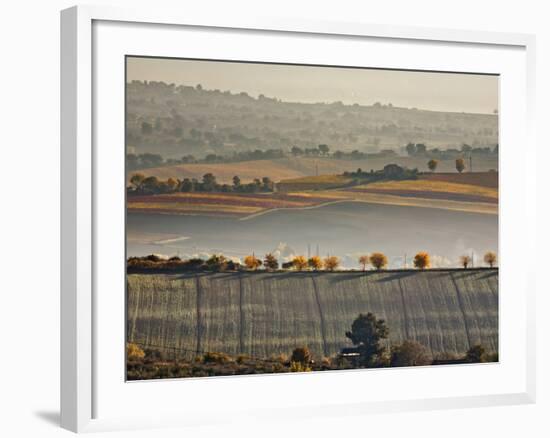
(177, 120)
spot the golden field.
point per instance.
(298, 167)
(429, 192)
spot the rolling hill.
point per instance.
(265, 314)
(175, 120)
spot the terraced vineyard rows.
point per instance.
(265, 314)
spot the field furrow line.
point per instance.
(405, 315)
(321, 317)
(241, 315)
(461, 307)
(199, 314)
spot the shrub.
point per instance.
(134, 352)
(410, 353)
(216, 262)
(220, 358)
(242, 358)
(491, 357)
(302, 355)
(153, 258)
(298, 367)
(476, 354)
(154, 355)
(281, 358)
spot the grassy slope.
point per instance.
(483, 179)
(264, 314)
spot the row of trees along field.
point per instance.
(218, 262)
(151, 185)
(148, 160)
(377, 260)
(460, 165)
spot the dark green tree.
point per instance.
(301, 355)
(209, 182)
(267, 184)
(186, 185)
(323, 149)
(366, 333)
(137, 180)
(216, 262)
(420, 149)
(150, 184)
(296, 151)
(270, 262)
(146, 128)
(411, 149)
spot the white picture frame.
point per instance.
(82, 174)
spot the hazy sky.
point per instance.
(431, 91)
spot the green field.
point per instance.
(265, 314)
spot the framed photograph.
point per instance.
(289, 218)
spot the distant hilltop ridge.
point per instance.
(175, 120)
(185, 88)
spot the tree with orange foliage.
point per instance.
(490, 258)
(364, 261)
(315, 263)
(460, 165)
(331, 263)
(133, 352)
(422, 260)
(251, 262)
(378, 260)
(299, 263)
(432, 164)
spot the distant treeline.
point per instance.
(151, 185)
(389, 172)
(148, 160)
(421, 150)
